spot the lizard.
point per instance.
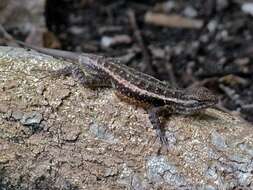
(162, 100)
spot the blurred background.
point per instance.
(188, 43)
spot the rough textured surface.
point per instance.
(56, 134)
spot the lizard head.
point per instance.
(197, 99)
(201, 94)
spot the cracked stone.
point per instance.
(56, 95)
(17, 115)
(71, 134)
(218, 141)
(31, 118)
(158, 166)
(101, 133)
(3, 108)
(137, 183)
(125, 175)
(187, 161)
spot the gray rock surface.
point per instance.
(90, 139)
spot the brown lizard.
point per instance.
(93, 70)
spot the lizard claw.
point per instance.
(162, 138)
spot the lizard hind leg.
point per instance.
(83, 77)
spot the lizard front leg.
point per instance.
(154, 114)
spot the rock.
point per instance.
(247, 8)
(94, 140)
(32, 118)
(17, 115)
(190, 12)
(212, 25)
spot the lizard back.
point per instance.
(134, 83)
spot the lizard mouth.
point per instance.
(207, 104)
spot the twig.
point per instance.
(138, 36)
(172, 21)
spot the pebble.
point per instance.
(212, 25)
(101, 133)
(247, 8)
(31, 118)
(218, 141)
(169, 5)
(190, 12)
(17, 115)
